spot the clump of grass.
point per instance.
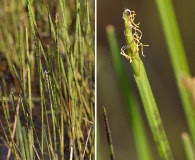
(52, 98)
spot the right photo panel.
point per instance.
(145, 80)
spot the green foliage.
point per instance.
(178, 59)
(143, 151)
(51, 61)
(185, 84)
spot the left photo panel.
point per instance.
(47, 80)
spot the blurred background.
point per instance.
(158, 68)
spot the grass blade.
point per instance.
(143, 151)
(190, 154)
(178, 59)
(133, 37)
(109, 138)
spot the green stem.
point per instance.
(146, 94)
(178, 59)
(140, 137)
(190, 153)
(109, 137)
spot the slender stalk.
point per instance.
(109, 138)
(144, 88)
(29, 73)
(190, 153)
(178, 58)
(143, 151)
